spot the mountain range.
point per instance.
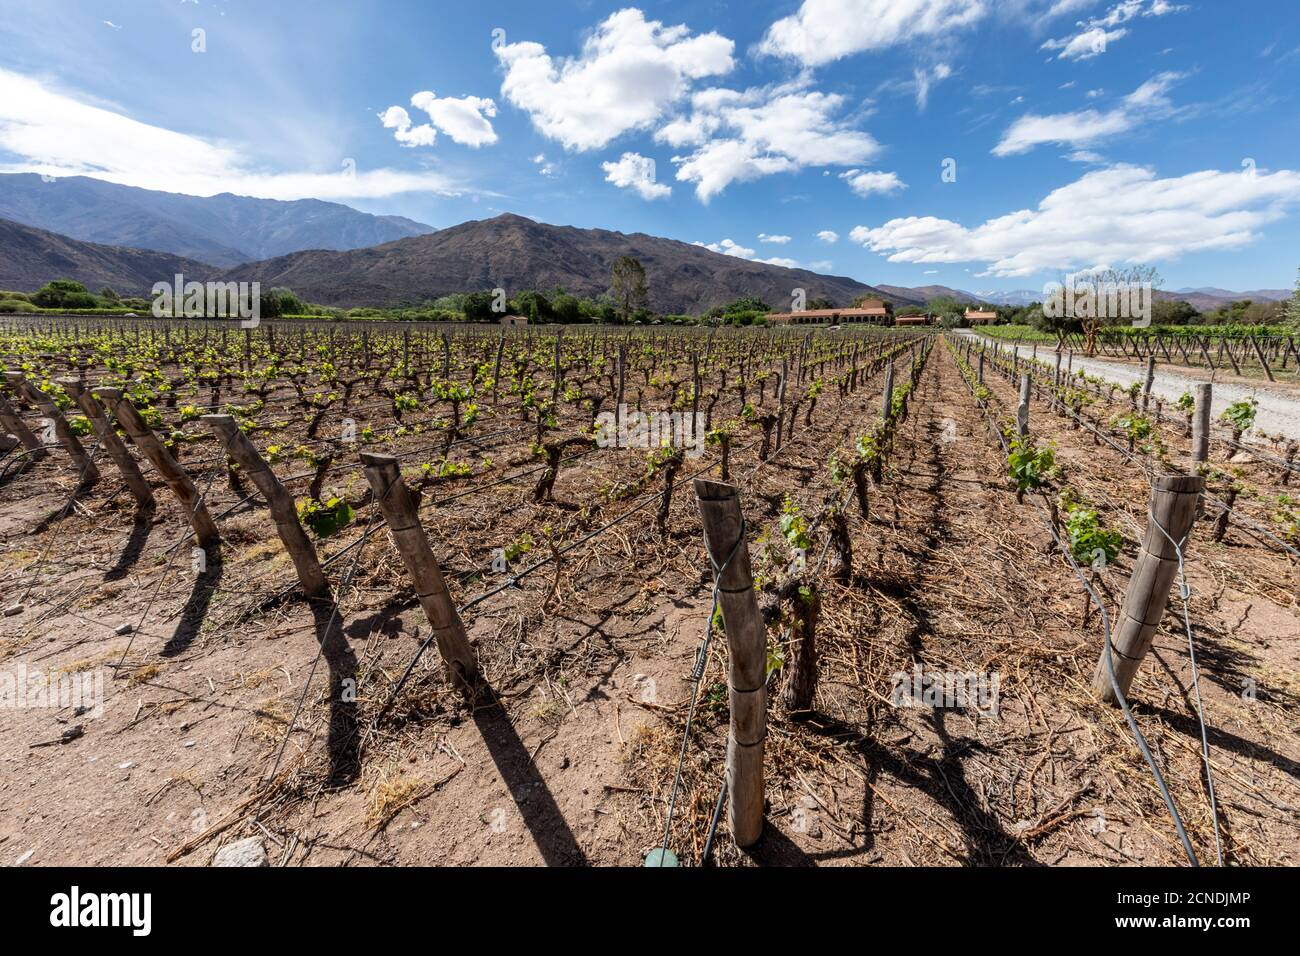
(222, 230)
(514, 253)
(104, 234)
(31, 257)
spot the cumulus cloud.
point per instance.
(629, 73)
(636, 172)
(866, 183)
(729, 248)
(56, 134)
(829, 236)
(777, 240)
(741, 136)
(464, 120)
(1086, 128)
(1094, 35)
(1123, 214)
(398, 120)
(822, 31)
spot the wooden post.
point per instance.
(13, 424)
(980, 370)
(1022, 410)
(283, 511)
(1150, 380)
(107, 435)
(38, 399)
(399, 510)
(1174, 500)
(1201, 424)
(747, 649)
(780, 402)
(887, 402)
(205, 529)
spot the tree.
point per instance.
(64, 294)
(1089, 297)
(1173, 312)
(1292, 313)
(478, 307)
(629, 286)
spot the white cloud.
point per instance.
(829, 236)
(866, 183)
(636, 172)
(1087, 127)
(1123, 214)
(822, 31)
(464, 119)
(398, 120)
(629, 73)
(56, 134)
(741, 136)
(923, 79)
(543, 167)
(821, 265)
(1095, 35)
(729, 248)
(777, 240)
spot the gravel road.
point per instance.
(1279, 413)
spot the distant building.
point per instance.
(871, 312)
(514, 320)
(979, 316)
(924, 319)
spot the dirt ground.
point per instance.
(568, 757)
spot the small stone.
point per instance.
(13, 609)
(126, 766)
(123, 629)
(250, 852)
(25, 857)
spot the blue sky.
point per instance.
(1075, 133)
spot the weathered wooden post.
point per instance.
(283, 511)
(1022, 410)
(205, 529)
(38, 399)
(1201, 424)
(1148, 382)
(887, 401)
(399, 510)
(979, 377)
(14, 425)
(747, 649)
(780, 401)
(1174, 500)
(108, 439)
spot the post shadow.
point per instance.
(196, 606)
(344, 739)
(141, 528)
(534, 800)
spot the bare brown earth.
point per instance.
(569, 760)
